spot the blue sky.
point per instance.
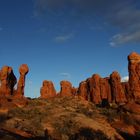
(68, 39)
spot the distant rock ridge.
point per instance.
(103, 91)
(100, 91)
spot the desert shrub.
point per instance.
(111, 114)
(24, 113)
(128, 119)
(88, 134)
(138, 134)
(86, 111)
(3, 117)
(37, 102)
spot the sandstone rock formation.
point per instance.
(66, 88)
(105, 89)
(23, 70)
(118, 94)
(134, 75)
(8, 80)
(125, 86)
(47, 90)
(74, 91)
(83, 90)
(94, 89)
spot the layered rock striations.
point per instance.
(47, 90)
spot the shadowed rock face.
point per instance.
(47, 90)
(66, 88)
(116, 88)
(23, 70)
(94, 89)
(125, 86)
(105, 89)
(8, 80)
(134, 74)
(74, 91)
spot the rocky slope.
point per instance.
(69, 118)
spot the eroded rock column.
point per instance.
(105, 89)
(23, 70)
(134, 75)
(83, 90)
(47, 90)
(94, 89)
(8, 80)
(66, 88)
(118, 94)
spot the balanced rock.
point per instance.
(134, 74)
(94, 89)
(47, 90)
(66, 88)
(8, 80)
(118, 94)
(23, 70)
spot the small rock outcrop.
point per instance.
(47, 90)
(134, 75)
(118, 94)
(23, 70)
(8, 81)
(94, 89)
(66, 88)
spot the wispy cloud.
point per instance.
(125, 79)
(124, 15)
(63, 38)
(65, 75)
(130, 37)
(128, 20)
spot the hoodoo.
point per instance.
(134, 74)
(23, 70)
(47, 90)
(8, 81)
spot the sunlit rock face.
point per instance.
(118, 94)
(134, 75)
(47, 90)
(94, 89)
(8, 81)
(83, 90)
(23, 70)
(66, 88)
